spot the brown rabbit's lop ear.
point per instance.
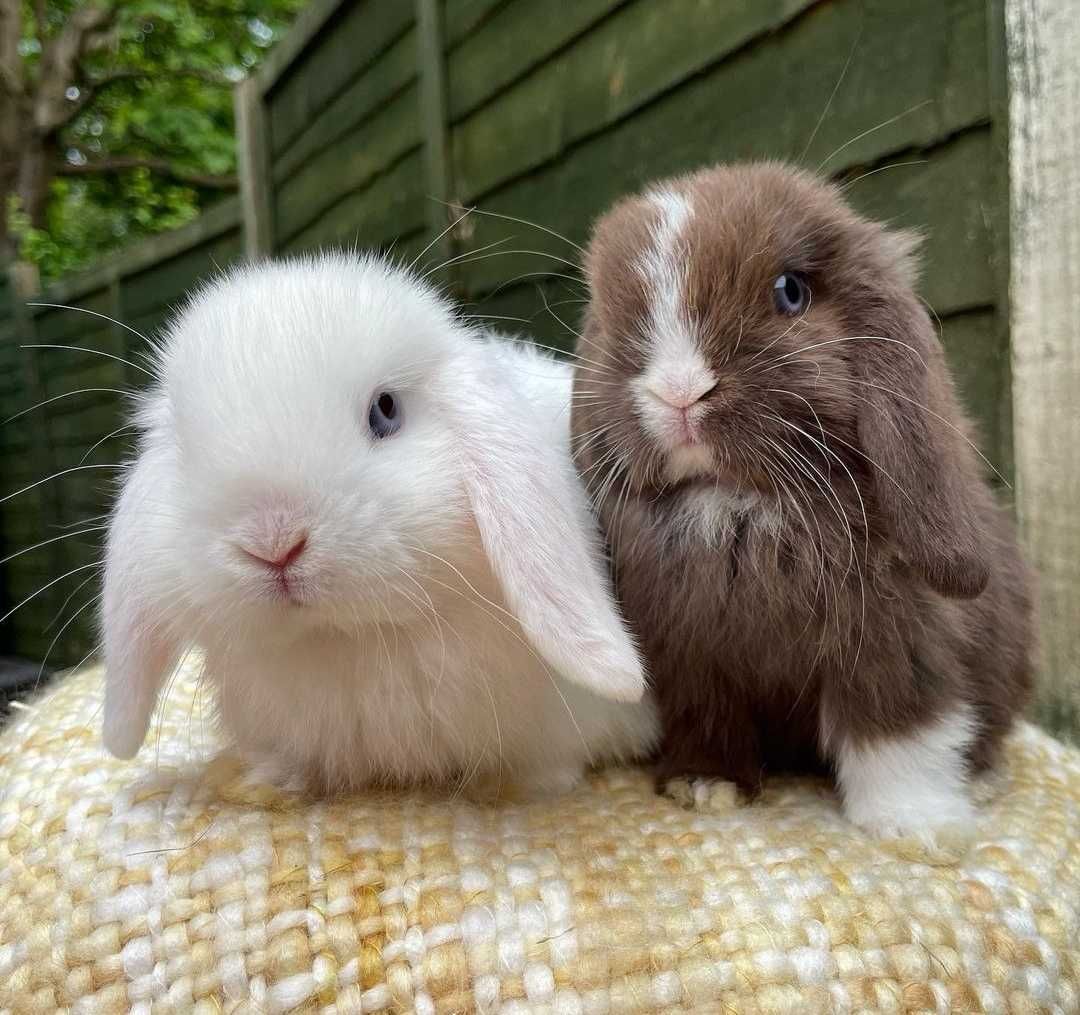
(926, 478)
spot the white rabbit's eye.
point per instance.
(791, 295)
(384, 416)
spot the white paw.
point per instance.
(269, 770)
(546, 783)
(912, 786)
(935, 827)
(701, 794)
(954, 817)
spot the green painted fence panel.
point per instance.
(87, 403)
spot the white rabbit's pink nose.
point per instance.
(278, 556)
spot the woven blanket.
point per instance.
(174, 884)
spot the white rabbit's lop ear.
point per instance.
(139, 651)
(540, 539)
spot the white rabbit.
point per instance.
(365, 515)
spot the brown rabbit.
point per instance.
(800, 531)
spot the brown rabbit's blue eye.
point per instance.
(384, 416)
(790, 294)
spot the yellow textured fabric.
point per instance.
(171, 884)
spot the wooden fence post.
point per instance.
(437, 163)
(253, 156)
(1044, 156)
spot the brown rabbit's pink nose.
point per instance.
(278, 559)
(683, 396)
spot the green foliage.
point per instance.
(88, 218)
(162, 75)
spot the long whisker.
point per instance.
(769, 364)
(95, 352)
(57, 475)
(46, 542)
(848, 184)
(52, 644)
(47, 586)
(832, 95)
(93, 313)
(532, 651)
(840, 440)
(71, 595)
(97, 444)
(533, 274)
(960, 433)
(467, 257)
(858, 137)
(66, 394)
(461, 257)
(495, 317)
(787, 331)
(464, 215)
(526, 222)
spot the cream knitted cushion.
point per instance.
(171, 884)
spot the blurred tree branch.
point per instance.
(90, 91)
(122, 164)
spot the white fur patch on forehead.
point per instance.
(676, 370)
(661, 269)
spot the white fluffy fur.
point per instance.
(454, 618)
(910, 785)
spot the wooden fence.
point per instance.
(76, 434)
(376, 121)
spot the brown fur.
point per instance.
(876, 585)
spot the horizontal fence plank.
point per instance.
(354, 36)
(391, 206)
(168, 283)
(510, 43)
(349, 165)
(379, 83)
(898, 56)
(64, 362)
(311, 21)
(463, 17)
(94, 374)
(70, 322)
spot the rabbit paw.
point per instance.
(523, 787)
(270, 770)
(697, 793)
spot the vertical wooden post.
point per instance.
(437, 161)
(253, 156)
(1044, 157)
(997, 216)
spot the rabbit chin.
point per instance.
(280, 617)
